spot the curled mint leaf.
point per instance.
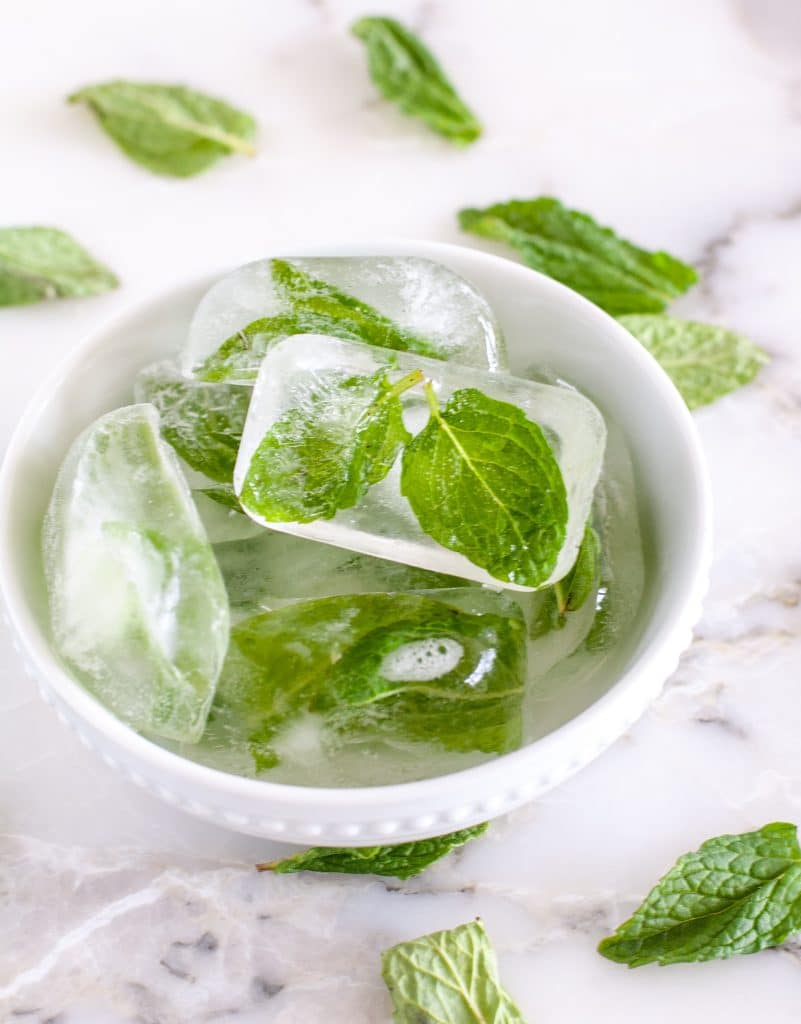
(170, 129)
(704, 361)
(449, 977)
(554, 604)
(38, 263)
(203, 422)
(406, 72)
(735, 894)
(402, 860)
(323, 457)
(482, 480)
(313, 307)
(374, 666)
(591, 259)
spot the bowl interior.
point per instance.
(546, 327)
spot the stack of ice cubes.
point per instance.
(142, 587)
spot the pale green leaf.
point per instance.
(704, 361)
(170, 129)
(39, 263)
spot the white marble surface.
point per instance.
(677, 121)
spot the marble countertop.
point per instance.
(679, 123)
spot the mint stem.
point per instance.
(405, 383)
(431, 398)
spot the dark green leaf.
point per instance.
(169, 129)
(314, 307)
(736, 894)
(406, 72)
(482, 480)
(403, 860)
(376, 666)
(203, 422)
(553, 604)
(450, 977)
(704, 361)
(571, 247)
(317, 460)
(45, 263)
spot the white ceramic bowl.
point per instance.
(542, 320)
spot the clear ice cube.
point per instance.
(382, 523)
(137, 603)
(443, 314)
(273, 569)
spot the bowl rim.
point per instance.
(664, 648)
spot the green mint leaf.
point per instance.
(589, 258)
(403, 860)
(224, 495)
(704, 361)
(314, 307)
(203, 422)
(371, 666)
(407, 73)
(449, 977)
(554, 604)
(44, 263)
(736, 894)
(482, 480)
(317, 460)
(169, 129)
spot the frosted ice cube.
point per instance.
(296, 371)
(445, 316)
(137, 603)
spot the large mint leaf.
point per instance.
(375, 666)
(736, 894)
(704, 361)
(402, 860)
(313, 307)
(449, 977)
(169, 129)
(407, 73)
(482, 480)
(44, 263)
(203, 422)
(573, 248)
(323, 457)
(552, 605)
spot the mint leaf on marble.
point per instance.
(736, 894)
(323, 457)
(449, 977)
(203, 422)
(482, 480)
(402, 860)
(314, 307)
(407, 73)
(170, 129)
(375, 666)
(553, 604)
(38, 263)
(591, 259)
(704, 361)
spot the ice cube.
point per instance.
(404, 303)
(137, 603)
(298, 371)
(307, 683)
(273, 569)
